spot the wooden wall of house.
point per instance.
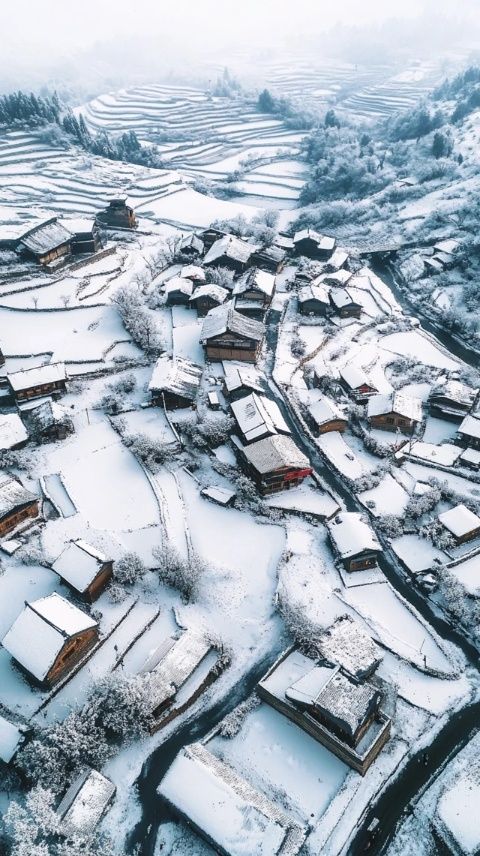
(10, 521)
(218, 351)
(334, 425)
(42, 389)
(98, 585)
(73, 651)
(391, 421)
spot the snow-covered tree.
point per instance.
(129, 568)
(177, 572)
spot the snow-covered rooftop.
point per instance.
(13, 494)
(177, 376)
(210, 289)
(37, 636)
(324, 242)
(28, 378)
(257, 415)
(314, 292)
(231, 247)
(180, 284)
(234, 816)
(470, 426)
(351, 534)
(177, 660)
(45, 237)
(12, 431)
(455, 391)
(79, 564)
(395, 402)
(225, 318)
(347, 644)
(10, 738)
(275, 453)
(193, 272)
(78, 225)
(341, 298)
(323, 410)
(346, 701)
(85, 803)
(255, 280)
(354, 376)
(459, 520)
(241, 375)
(457, 811)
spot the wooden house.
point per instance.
(118, 214)
(229, 335)
(241, 379)
(357, 383)
(314, 300)
(336, 261)
(178, 291)
(86, 570)
(13, 434)
(207, 297)
(395, 411)
(195, 273)
(353, 541)
(451, 400)
(344, 304)
(85, 235)
(210, 235)
(342, 713)
(308, 242)
(462, 524)
(174, 382)
(171, 665)
(275, 463)
(326, 415)
(85, 803)
(253, 292)
(49, 637)
(17, 504)
(230, 252)
(191, 246)
(468, 433)
(26, 384)
(334, 279)
(46, 420)
(271, 259)
(257, 417)
(470, 458)
(46, 242)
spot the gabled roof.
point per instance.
(242, 376)
(449, 245)
(454, 391)
(275, 453)
(79, 225)
(27, 378)
(45, 237)
(79, 564)
(45, 414)
(347, 644)
(173, 664)
(323, 410)
(210, 289)
(255, 280)
(272, 253)
(311, 234)
(231, 247)
(314, 292)
(12, 431)
(192, 240)
(354, 376)
(13, 495)
(39, 633)
(340, 298)
(225, 318)
(177, 376)
(257, 415)
(351, 535)
(180, 284)
(338, 278)
(85, 803)
(193, 272)
(470, 426)
(338, 259)
(459, 520)
(395, 402)
(346, 702)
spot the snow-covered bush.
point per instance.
(151, 453)
(221, 276)
(390, 525)
(116, 592)
(420, 504)
(297, 346)
(31, 553)
(122, 704)
(233, 722)
(177, 572)
(142, 326)
(303, 631)
(207, 432)
(128, 569)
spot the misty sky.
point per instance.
(58, 26)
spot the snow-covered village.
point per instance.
(240, 430)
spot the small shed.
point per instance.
(253, 291)
(468, 433)
(327, 415)
(275, 463)
(49, 637)
(193, 272)
(257, 417)
(462, 523)
(17, 504)
(220, 495)
(47, 421)
(314, 300)
(230, 252)
(85, 803)
(175, 382)
(85, 235)
(192, 246)
(393, 411)
(50, 379)
(178, 291)
(207, 297)
(357, 383)
(118, 214)
(241, 379)
(229, 335)
(308, 242)
(354, 541)
(46, 242)
(86, 570)
(344, 304)
(13, 434)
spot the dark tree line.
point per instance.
(20, 108)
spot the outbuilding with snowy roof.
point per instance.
(395, 410)
(461, 523)
(18, 505)
(49, 637)
(314, 300)
(230, 252)
(275, 463)
(468, 433)
(85, 803)
(175, 382)
(354, 541)
(85, 569)
(208, 296)
(178, 291)
(253, 292)
(257, 417)
(13, 434)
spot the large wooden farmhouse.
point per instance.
(253, 292)
(257, 417)
(17, 504)
(229, 335)
(394, 411)
(174, 382)
(353, 541)
(207, 297)
(49, 637)
(46, 242)
(230, 252)
(50, 379)
(86, 570)
(275, 463)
